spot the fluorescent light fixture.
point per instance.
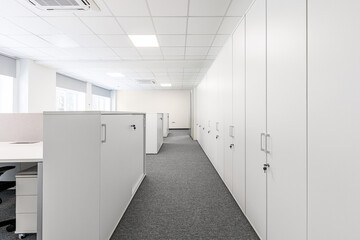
(165, 84)
(61, 41)
(144, 40)
(115, 74)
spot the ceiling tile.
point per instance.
(129, 53)
(69, 25)
(238, 8)
(220, 40)
(153, 57)
(35, 25)
(102, 25)
(168, 7)
(92, 53)
(195, 57)
(6, 42)
(13, 8)
(117, 40)
(8, 28)
(197, 51)
(88, 40)
(170, 25)
(171, 40)
(137, 25)
(167, 57)
(128, 7)
(150, 51)
(56, 53)
(199, 40)
(29, 53)
(208, 7)
(191, 70)
(32, 41)
(214, 51)
(173, 51)
(203, 25)
(228, 25)
(211, 57)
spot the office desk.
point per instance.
(28, 152)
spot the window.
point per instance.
(6, 94)
(101, 103)
(69, 100)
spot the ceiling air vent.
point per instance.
(145, 81)
(72, 5)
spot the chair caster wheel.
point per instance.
(10, 228)
(22, 236)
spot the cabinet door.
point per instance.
(219, 124)
(226, 59)
(334, 119)
(71, 176)
(239, 114)
(286, 119)
(256, 116)
(122, 167)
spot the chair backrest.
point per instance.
(4, 169)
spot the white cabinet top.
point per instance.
(91, 113)
(21, 152)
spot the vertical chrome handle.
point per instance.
(261, 142)
(103, 128)
(231, 131)
(267, 143)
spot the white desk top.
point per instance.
(28, 152)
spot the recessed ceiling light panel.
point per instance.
(144, 40)
(165, 84)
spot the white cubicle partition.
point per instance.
(165, 124)
(154, 132)
(21, 127)
(94, 165)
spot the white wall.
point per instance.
(174, 102)
(36, 86)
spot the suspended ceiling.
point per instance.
(190, 34)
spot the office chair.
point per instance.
(10, 223)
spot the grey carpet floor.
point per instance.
(7, 211)
(182, 197)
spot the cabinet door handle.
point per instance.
(262, 135)
(267, 140)
(217, 136)
(231, 131)
(103, 128)
(133, 126)
(231, 146)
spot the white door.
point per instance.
(286, 119)
(226, 77)
(122, 166)
(239, 114)
(256, 116)
(334, 119)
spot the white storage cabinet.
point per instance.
(165, 124)
(94, 165)
(154, 132)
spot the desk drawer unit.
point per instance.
(26, 201)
